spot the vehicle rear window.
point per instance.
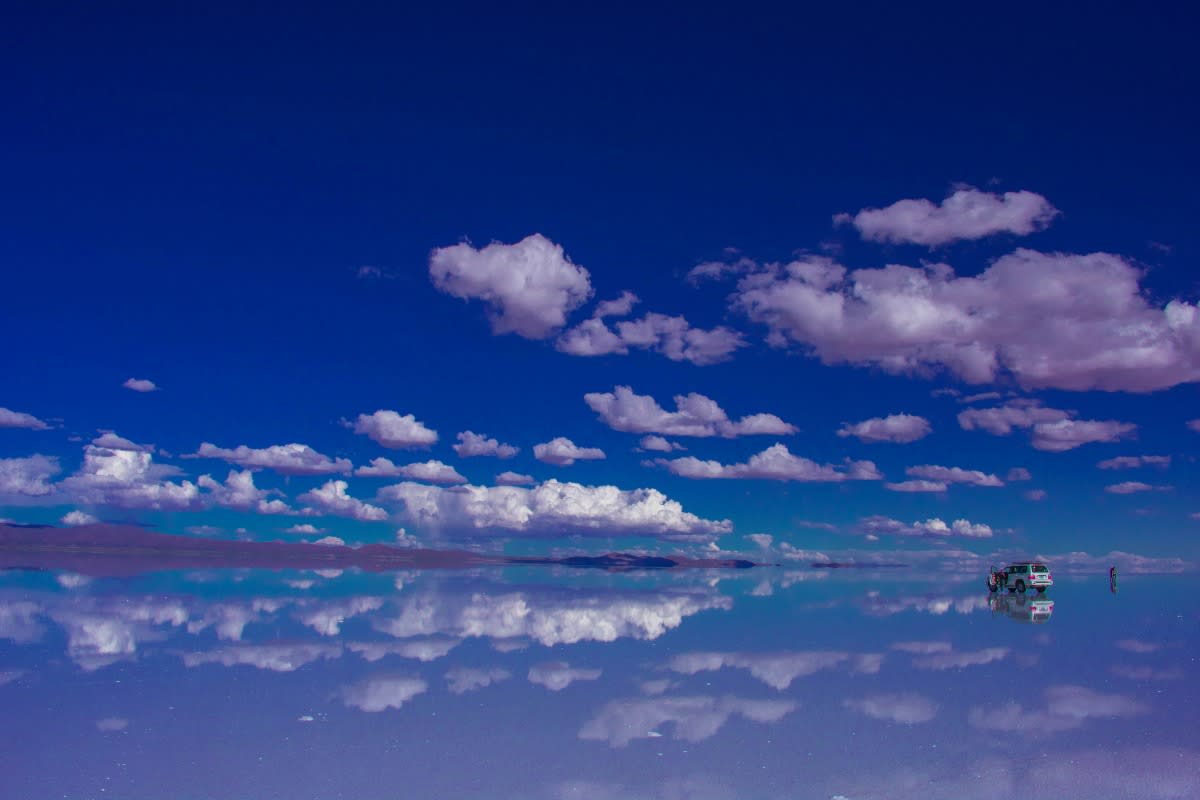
(1039, 568)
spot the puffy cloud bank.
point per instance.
(1051, 320)
(550, 508)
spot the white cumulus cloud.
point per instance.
(27, 477)
(1050, 320)
(562, 452)
(478, 444)
(239, 492)
(694, 415)
(967, 213)
(901, 428)
(972, 477)
(936, 527)
(286, 459)
(670, 336)
(77, 517)
(659, 444)
(120, 473)
(140, 385)
(529, 287)
(429, 471)
(775, 463)
(332, 498)
(393, 430)
(616, 308)
(1053, 430)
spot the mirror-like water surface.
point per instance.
(528, 683)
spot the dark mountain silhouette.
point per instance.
(105, 549)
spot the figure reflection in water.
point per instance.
(1112, 579)
(1021, 607)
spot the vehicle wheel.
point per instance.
(1041, 589)
(1021, 587)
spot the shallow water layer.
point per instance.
(553, 683)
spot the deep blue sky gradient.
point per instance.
(189, 193)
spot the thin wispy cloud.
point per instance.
(19, 419)
(286, 459)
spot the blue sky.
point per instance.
(286, 222)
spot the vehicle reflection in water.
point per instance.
(1022, 608)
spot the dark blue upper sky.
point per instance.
(191, 195)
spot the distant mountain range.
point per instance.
(103, 549)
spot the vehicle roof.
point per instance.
(1030, 563)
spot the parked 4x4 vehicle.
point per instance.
(1020, 576)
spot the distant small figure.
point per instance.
(1112, 579)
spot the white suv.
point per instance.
(1021, 576)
